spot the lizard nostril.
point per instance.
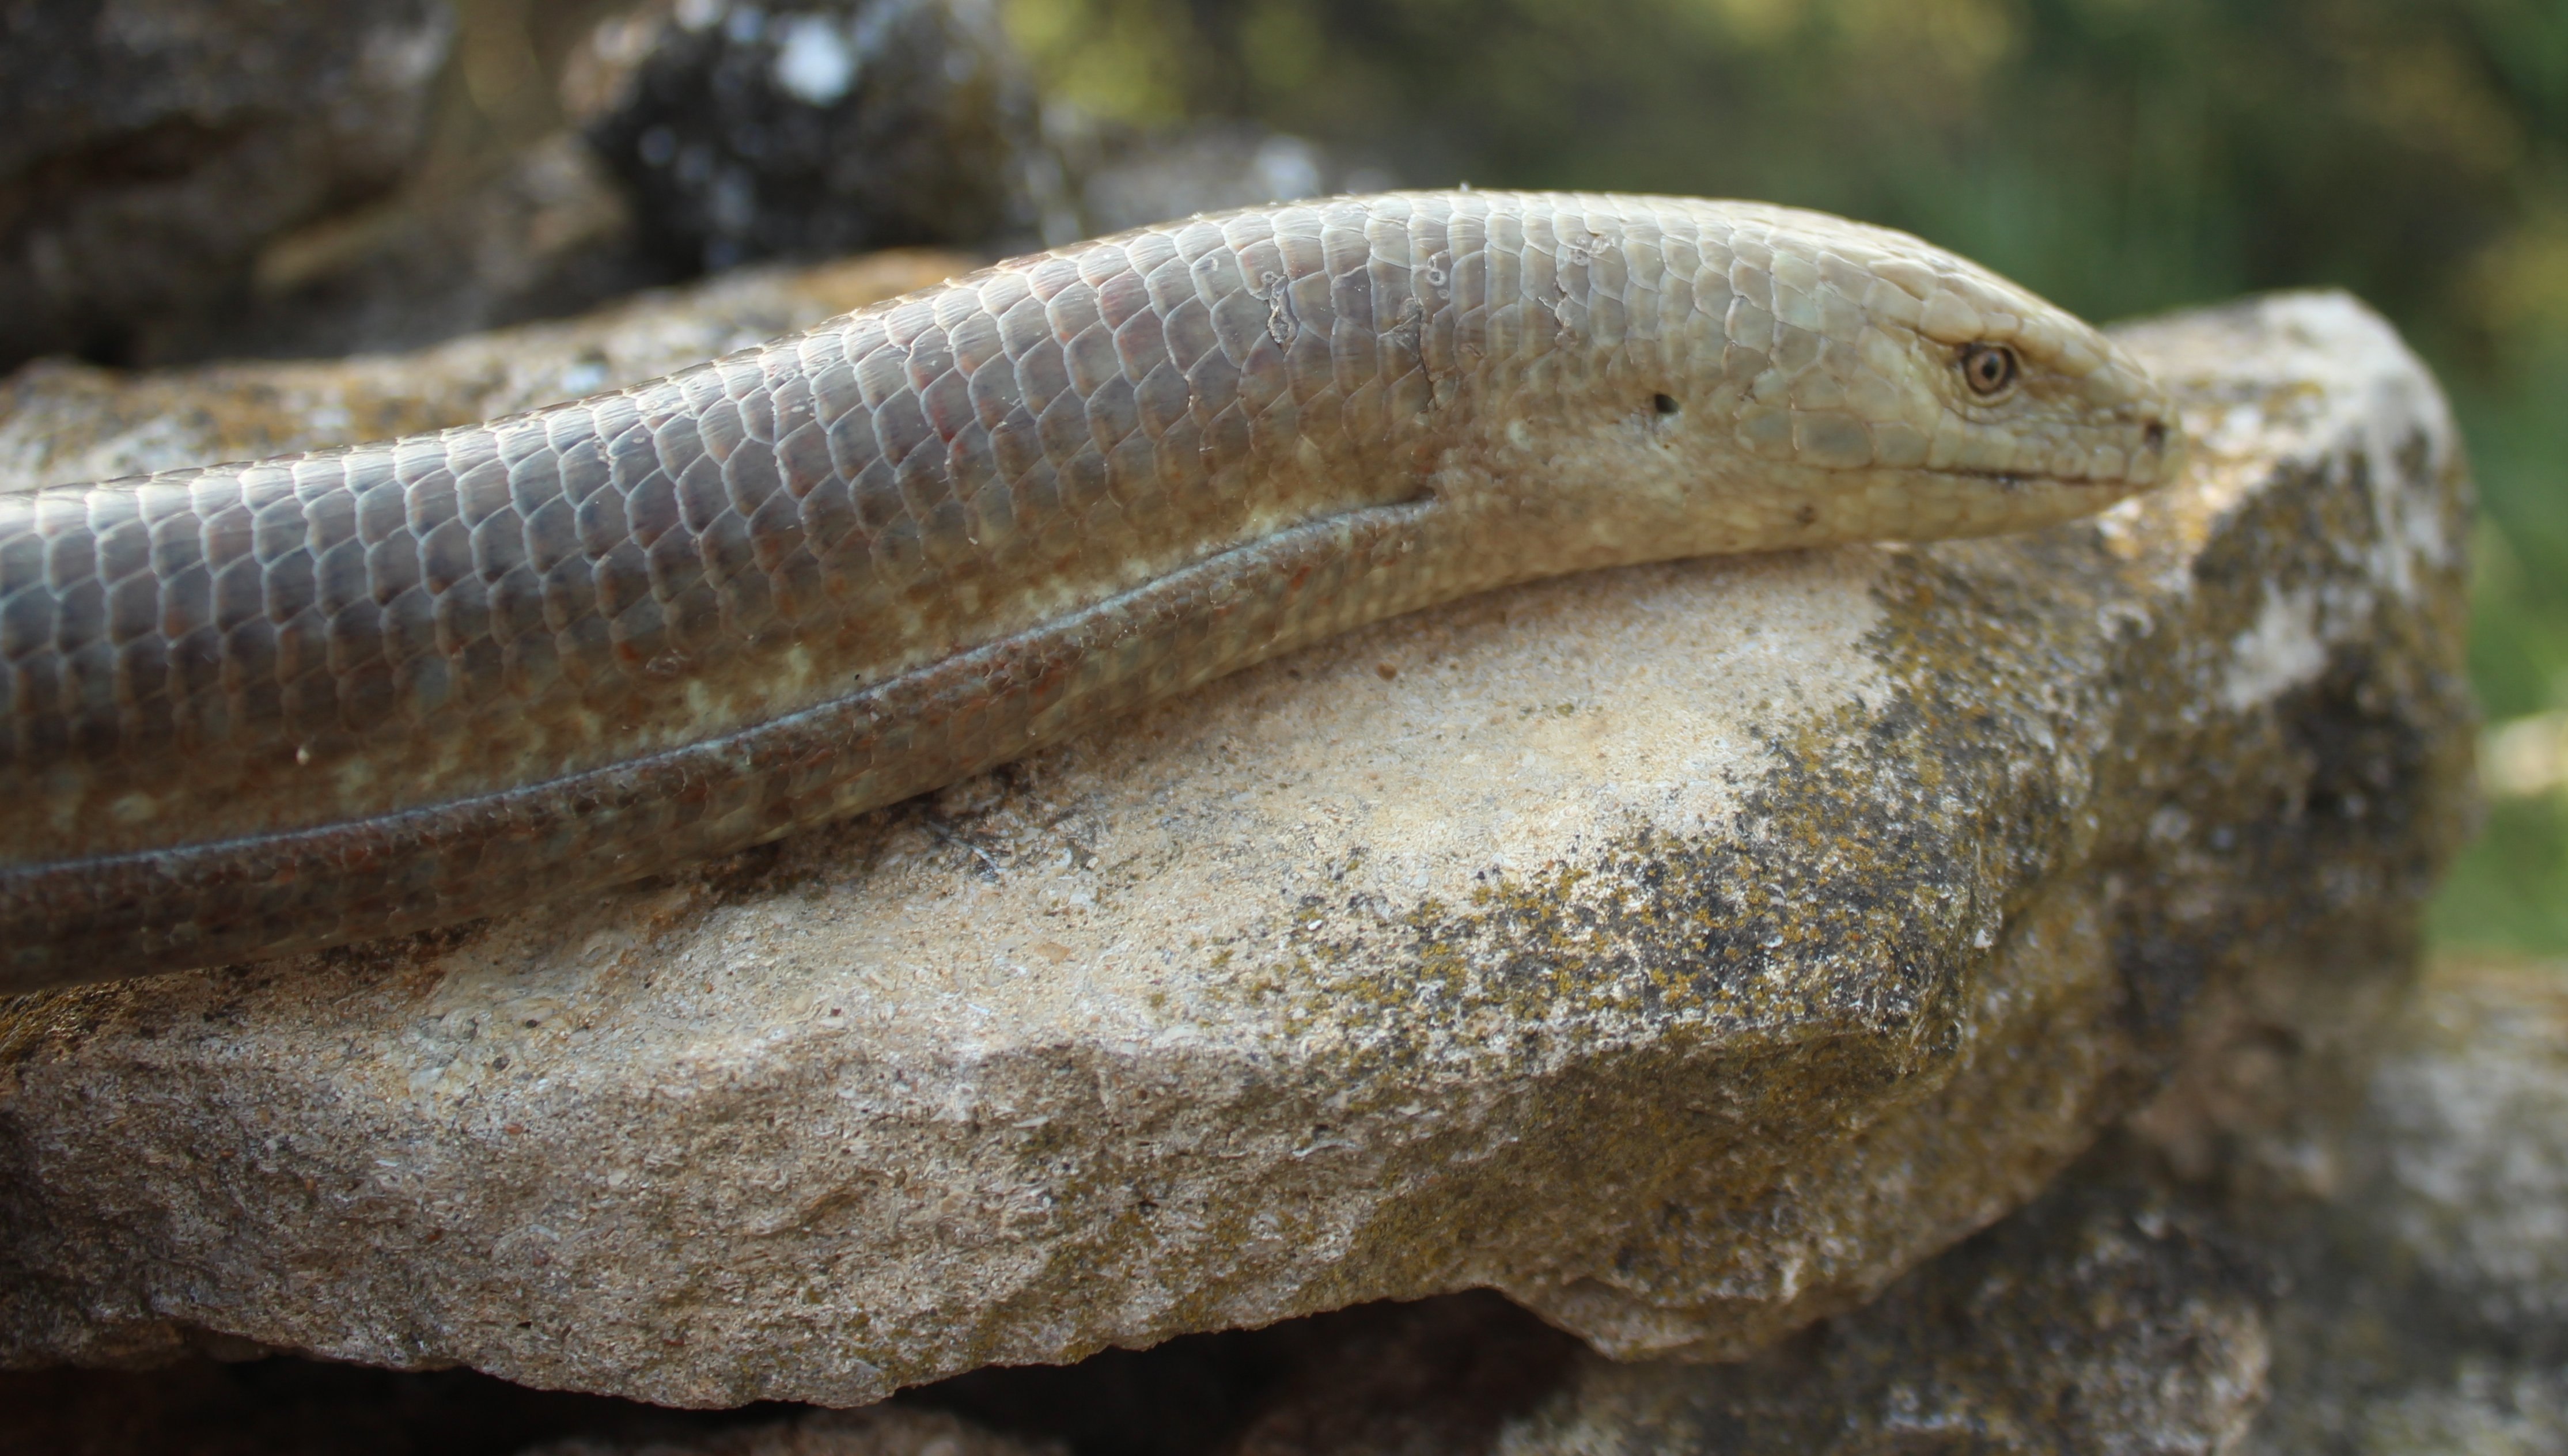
(2154, 437)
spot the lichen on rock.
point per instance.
(1685, 951)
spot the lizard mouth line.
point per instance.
(2016, 478)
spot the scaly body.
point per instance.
(250, 709)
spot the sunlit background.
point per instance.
(2120, 155)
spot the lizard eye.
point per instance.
(1989, 369)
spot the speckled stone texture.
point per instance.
(1685, 952)
(2429, 1289)
(2101, 1319)
(2390, 1287)
(2320, 1238)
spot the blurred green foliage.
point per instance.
(2120, 155)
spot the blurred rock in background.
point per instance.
(743, 131)
(544, 231)
(149, 149)
(2425, 1302)
(185, 181)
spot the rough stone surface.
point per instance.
(1686, 952)
(2103, 1318)
(2406, 1300)
(749, 132)
(148, 148)
(2429, 1293)
(2403, 1302)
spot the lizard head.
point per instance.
(1921, 395)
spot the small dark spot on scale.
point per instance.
(1386, 671)
(1807, 515)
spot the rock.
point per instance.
(2103, 1318)
(2130, 1309)
(1687, 952)
(149, 150)
(2412, 1297)
(546, 233)
(2401, 1290)
(64, 421)
(2430, 1294)
(2462, 1166)
(749, 132)
(195, 180)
